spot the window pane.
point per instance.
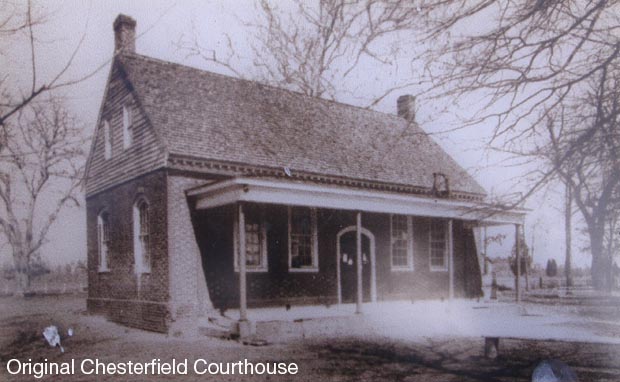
(400, 241)
(301, 238)
(143, 246)
(438, 244)
(127, 125)
(102, 240)
(253, 244)
(107, 143)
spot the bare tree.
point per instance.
(585, 152)
(314, 47)
(40, 174)
(527, 60)
(20, 25)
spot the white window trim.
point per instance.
(315, 241)
(264, 267)
(102, 257)
(409, 267)
(139, 267)
(445, 250)
(107, 141)
(127, 126)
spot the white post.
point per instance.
(243, 315)
(450, 261)
(358, 232)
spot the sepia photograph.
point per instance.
(310, 190)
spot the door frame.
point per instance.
(373, 266)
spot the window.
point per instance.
(102, 241)
(438, 245)
(255, 242)
(302, 240)
(401, 243)
(107, 141)
(127, 126)
(142, 249)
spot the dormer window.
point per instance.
(127, 126)
(107, 141)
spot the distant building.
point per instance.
(206, 192)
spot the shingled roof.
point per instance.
(215, 117)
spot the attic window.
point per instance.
(107, 141)
(127, 126)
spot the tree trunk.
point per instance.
(22, 274)
(568, 213)
(601, 265)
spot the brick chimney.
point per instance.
(124, 34)
(406, 107)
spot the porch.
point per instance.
(349, 257)
(414, 321)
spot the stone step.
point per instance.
(216, 331)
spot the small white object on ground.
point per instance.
(52, 337)
(70, 332)
(553, 371)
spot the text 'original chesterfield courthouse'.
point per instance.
(206, 193)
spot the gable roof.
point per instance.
(215, 117)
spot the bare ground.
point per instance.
(330, 359)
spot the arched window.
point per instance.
(102, 241)
(141, 237)
(107, 141)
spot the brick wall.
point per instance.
(121, 295)
(188, 287)
(278, 286)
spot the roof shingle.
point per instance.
(211, 116)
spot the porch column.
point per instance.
(358, 234)
(450, 261)
(518, 260)
(243, 302)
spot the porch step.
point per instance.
(212, 330)
(216, 326)
(281, 331)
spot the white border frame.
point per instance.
(315, 242)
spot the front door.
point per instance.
(348, 267)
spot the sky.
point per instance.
(160, 24)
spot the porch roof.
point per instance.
(295, 193)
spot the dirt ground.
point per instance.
(330, 359)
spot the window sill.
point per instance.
(437, 269)
(303, 270)
(402, 269)
(253, 270)
(103, 270)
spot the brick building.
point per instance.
(206, 192)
